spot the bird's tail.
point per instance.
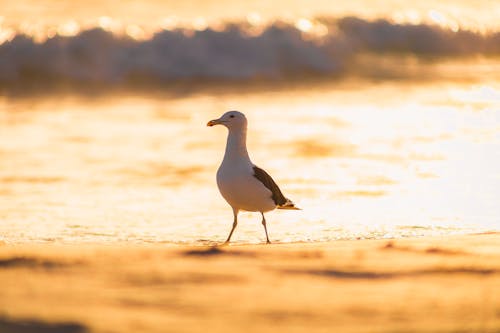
(288, 205)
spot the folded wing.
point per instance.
(279, 199)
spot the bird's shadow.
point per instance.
(215, 251)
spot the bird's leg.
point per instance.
(265, 228)
(235, 223)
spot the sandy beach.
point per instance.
(446, 284)
(379, 120)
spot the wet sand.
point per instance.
(446, 284)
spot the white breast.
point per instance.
(241, 189)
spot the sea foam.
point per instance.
(280, 51)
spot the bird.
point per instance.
(245, 186)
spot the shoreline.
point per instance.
(236, 243)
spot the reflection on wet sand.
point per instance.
(320, 148)
(163, 174)
(132, 167)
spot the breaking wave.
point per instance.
(279, 51)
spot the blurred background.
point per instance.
(380, 119)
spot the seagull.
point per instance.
(244, 185)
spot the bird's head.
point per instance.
(230, 119)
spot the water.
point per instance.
(349, 47)
(363, 161)
(380, 119)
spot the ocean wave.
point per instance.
(279, 51)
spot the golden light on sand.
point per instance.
(379, 119)
(359, 284)
(349, 149)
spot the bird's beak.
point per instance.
(213, 122)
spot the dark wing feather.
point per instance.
(278, 197)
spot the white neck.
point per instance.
(236, 146)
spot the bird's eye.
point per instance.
(231, 116)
